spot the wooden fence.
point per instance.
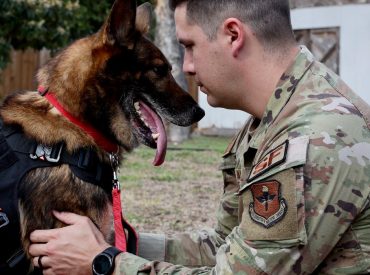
(20, 74)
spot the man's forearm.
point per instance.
(197, 248)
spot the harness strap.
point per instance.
(84, 163)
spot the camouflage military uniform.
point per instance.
(296, 198)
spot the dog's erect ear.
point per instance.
(120, 27)
(143, 17)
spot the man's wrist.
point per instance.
(104, 262)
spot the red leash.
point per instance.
(120, 236)
(122, 242)
(111, 148)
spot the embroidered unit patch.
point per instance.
(270, 160)
(268, 207)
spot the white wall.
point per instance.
(354, 60)
(354, 24)
(219, 117)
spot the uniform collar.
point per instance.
(283, 91)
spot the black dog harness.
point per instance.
(19, 155)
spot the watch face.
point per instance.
(102, 264)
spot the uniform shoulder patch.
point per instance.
(273, 158)
(268, 206)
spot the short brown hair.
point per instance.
(269, 19)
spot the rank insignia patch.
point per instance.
(268, 207)
(270, 160)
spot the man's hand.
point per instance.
(67, 250)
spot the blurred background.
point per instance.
(181, 194)
(336, 31)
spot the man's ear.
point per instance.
(120, 26)
(234, 30)
(143, 17)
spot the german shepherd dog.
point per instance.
(116, 81)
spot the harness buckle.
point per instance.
(4, 220)
(47, 153)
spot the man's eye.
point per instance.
(161, 70)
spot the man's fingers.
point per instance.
(68, 217)
(48, 271)
(43, 236)
(37, 249)
(44, 262)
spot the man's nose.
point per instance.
(188, 66)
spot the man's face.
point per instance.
(204, 59)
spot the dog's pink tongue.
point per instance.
(157, 127)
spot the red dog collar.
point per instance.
(99, 139)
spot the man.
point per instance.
(296, 198)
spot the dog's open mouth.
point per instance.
(151, 130)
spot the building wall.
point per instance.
(316, 3)
(353, 22)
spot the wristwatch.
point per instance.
(103, 263)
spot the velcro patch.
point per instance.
(268, 207)
(270, 160)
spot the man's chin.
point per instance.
(203, 90)
(212, 103)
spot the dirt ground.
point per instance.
(181, 195)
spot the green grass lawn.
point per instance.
(181, 194)
(190, 155)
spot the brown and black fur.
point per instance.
(98, 79)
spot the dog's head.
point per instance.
(120, 82)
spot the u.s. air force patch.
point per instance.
(268, 207)
(272, 198)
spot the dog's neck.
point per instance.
(103, 142)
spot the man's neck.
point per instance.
(262, 80)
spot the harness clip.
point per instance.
(47, 153)
(115, 167)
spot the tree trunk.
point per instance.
(165, 39)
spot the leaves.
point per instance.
(51, 24)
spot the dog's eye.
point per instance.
(161, 70)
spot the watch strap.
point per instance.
(112, 251)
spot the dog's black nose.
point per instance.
(198, 113)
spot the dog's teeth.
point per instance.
(155, 136)
(145, 122)
(143, 119)
(137, 106)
